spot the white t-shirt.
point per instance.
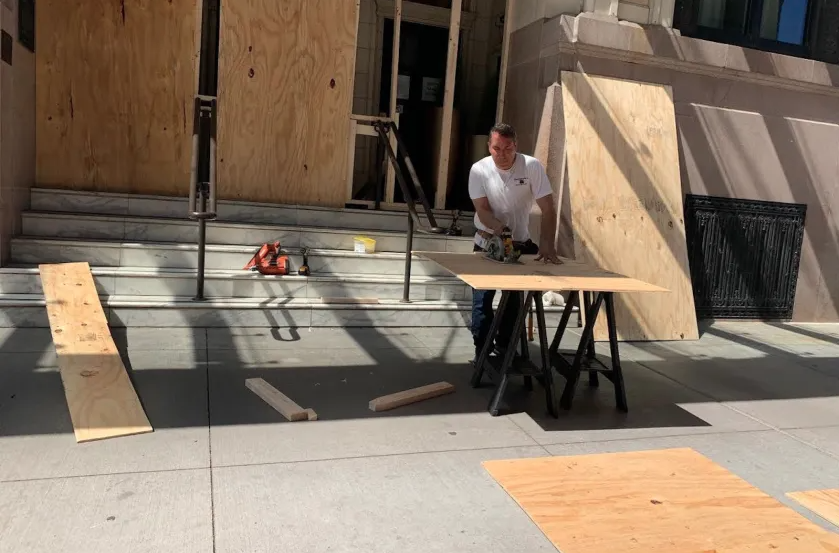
(510, 193)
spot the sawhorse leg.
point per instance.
(585, 350)
(525, 348)
(519, 336)
(490, 340)
(616, 375)
(593, 380)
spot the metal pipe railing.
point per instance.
(400, 145)
(202, 190)
(382, 129)
(409, 247)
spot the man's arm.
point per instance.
(486, 216)
(479, 199)
(547, 248)
(545, 200)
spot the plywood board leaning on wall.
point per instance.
(285, 90)
(114, 95)
(626, 199)
(550, 150)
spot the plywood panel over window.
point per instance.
(114, 83)
(285, 91)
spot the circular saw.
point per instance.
(501, 249)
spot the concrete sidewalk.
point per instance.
(223, 472)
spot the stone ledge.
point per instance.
(595, 35)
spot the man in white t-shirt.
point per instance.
(503, 187)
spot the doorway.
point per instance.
(423, 50)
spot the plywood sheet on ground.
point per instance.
(652, 502)
(531, 275)
(115, 86)
(101, 399)
(626, 199)
(824, 503)
(286, 73)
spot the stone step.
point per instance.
(139, 282)
(42, 199)
(104, 253)
(28, 310)
(161, 229)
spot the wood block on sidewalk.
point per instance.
(279, 401)
(413, 395)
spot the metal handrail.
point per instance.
(202, 191)
(202, 185)
(383, 128)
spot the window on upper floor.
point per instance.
(776, 25)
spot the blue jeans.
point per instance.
(482, 313)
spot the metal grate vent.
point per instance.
(744, 256)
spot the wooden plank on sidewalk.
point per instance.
(824, 503)
(278, 400)
(101, 399)
(413, 395)
(653, 502)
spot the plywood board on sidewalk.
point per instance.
(824, 503)
(626, 199)
(101, 399)
(531, 275)
(286, 70)
(652, 502)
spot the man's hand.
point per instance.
(548, 255)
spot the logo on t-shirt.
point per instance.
(523, 181)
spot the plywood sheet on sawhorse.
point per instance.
(531, 275)
(653, 502)
(101, 399)
(626, 199)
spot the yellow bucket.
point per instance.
(363, 244)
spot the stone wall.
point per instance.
(17, 130)
(752, 125)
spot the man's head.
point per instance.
(502, 145)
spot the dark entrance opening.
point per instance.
(744, 256)
(423, 50)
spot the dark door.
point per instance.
(423, 50)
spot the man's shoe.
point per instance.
(501, 351)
